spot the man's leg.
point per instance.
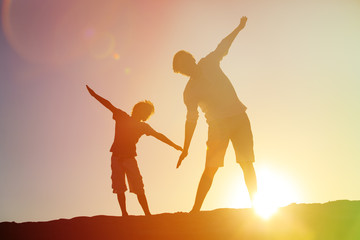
(250, 178)
(144, 204)
(242, 140)
(203, 188)
(217, 143)
(122, 203)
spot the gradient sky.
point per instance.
(295, 66)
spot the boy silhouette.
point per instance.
(128, 130)
(210, 89)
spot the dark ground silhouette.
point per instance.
(333, 220)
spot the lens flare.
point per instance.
(102, 46)
(59, 32)
(116, 56)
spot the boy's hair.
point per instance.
(144, 108)
(181, 61)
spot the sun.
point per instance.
(274, 191)
(263, 207)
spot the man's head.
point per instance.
(143, 110)
(184, 63)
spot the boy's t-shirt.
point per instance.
(127, 134)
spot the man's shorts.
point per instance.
(237, 129)
(126, 166)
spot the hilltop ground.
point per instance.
(334, 220)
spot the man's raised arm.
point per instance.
(102, 100)
(223, 47)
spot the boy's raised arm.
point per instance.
(102, 100)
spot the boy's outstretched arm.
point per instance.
(164, 139)
(223, 47)
(102, 100)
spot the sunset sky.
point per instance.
(296, 66)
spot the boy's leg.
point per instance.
(118, 182)
(122, 203)
(144, 204)
(136, 184)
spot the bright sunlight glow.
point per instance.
(274, 191)
(263, 207)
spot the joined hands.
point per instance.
(181, 158)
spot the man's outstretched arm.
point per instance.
(189, 132)
(224, 46)
(102, 100)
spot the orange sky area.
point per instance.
(295, 66)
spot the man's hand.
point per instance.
(181, 158)
(243, 22)
(90, 90)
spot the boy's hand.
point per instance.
(177, 147)
(90, 90)
(181, 158)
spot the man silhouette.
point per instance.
(210, 89)
(128, 130)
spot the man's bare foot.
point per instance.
(194, 211)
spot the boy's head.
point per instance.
(184, 63)
(143, 110)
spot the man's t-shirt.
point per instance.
(210, 89)
(127, 134)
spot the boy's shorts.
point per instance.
(237, 129)
(126, 166)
